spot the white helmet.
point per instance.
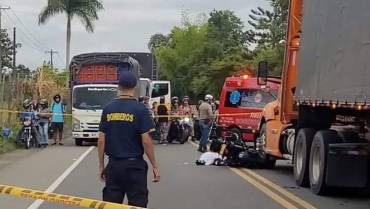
(208, 97)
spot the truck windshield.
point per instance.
(249, 98)
(93, 98)
(160, 89)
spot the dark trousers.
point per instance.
(126, 177)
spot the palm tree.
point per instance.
(85, 10)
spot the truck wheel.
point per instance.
(301, 156)
(318, 160)
(79, 142)
(267, 161)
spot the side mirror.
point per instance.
(262, 73)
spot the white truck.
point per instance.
(94, 79)
(155, 90)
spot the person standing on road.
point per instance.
(124, 137)
(186, 111)
(154, 108)
(205, 120)
(57, 120)
(162, 112)
(44, 115)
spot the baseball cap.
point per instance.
(127, 79)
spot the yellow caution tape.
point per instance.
(61, 199)
(251, 114)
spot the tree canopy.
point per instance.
(197, 56)
(85, 10)
(7, 49)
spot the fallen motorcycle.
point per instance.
(237, 153)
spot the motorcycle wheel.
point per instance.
(27, 140)
(184, 136)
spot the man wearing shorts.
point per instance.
(57, 120)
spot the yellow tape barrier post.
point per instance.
(61, 199)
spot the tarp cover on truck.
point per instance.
(146, 61)
(334, 63)
(101, 67)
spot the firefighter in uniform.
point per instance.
(124, 137)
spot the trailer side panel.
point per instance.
(334, 62)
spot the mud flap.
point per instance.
(348, 165)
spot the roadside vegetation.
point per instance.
(19, 82)
(199, 54)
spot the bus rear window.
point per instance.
(248, 98)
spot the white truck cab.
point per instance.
(88, 100)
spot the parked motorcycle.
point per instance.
(186, 126)
(26, 135)
(177, 132)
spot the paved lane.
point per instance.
(282, 175)
(183, 185)
(36, 169)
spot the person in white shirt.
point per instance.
(209, 158)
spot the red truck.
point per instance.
(242, 102)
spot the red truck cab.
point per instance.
(242, 102)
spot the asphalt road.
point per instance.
(183, 185)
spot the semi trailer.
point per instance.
(321, 118)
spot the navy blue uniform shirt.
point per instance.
(123, 122)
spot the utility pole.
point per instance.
(51, 57)
(14, 47)
(1, 48)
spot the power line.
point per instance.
(29, 31)
(24, 41)
(33, 42)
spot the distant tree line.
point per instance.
(199, 54)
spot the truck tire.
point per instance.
(301, 156)
(318, 160)
(267, 161)
(79, 142)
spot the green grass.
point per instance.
(7, 146)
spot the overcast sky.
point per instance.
(124, 25)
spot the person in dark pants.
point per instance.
(57, 121)
(124, 137)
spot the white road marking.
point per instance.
(36, 204)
